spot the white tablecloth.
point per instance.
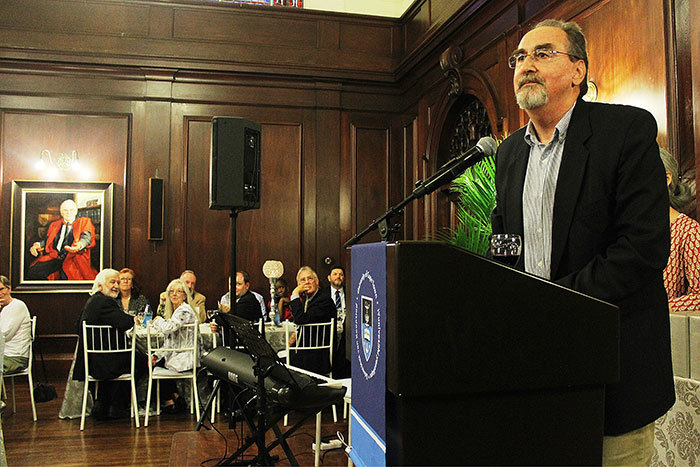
(677, 434)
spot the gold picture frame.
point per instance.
(37, 228)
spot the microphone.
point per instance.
(486, 147)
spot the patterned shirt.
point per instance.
(682, 273)
(538, 196)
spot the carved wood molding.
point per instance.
(449, 62)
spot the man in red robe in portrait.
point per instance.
(67, 248)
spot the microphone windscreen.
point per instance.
(487, 145)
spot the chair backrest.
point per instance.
(31, 343)
(313, 336)
(103, 339)
(183, 341)
(100, 339)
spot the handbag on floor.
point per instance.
(43, 392)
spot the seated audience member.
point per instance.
(16, 327)
(131, 301)
(282, 300)
(177, 293)
(226, 299)
(336, 279)
(195, 299)
(263, 308)
(682, 273)
(102, 309)
(309, 305)
(247, 306)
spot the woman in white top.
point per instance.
(177, 294)
(16, 328)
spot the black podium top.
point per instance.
(460, 323)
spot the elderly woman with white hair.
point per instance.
(177, 295)
(682, 273)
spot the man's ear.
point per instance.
(579, 74)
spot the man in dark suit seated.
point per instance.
(102, 309)
(309, 304)
(247, 306)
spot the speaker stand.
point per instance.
(232, 276)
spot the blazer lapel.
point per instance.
(571, 172)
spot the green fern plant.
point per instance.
(476, 199)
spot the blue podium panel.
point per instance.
(368, 315)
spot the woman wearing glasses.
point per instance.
(130, 299)
(177, 294)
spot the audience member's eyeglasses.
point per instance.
(125, 279)
(175, 292)
(538, 56)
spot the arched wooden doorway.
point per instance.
(469, 111)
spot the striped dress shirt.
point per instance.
(538, 196)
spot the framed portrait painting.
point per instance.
(61, 234)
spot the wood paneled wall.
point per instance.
(351, 109)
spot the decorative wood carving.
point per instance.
(449, 62)
(471, 124)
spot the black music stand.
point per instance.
(269, 413)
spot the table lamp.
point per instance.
(273, 270)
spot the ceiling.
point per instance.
(389, 8)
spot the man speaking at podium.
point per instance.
(584, 187)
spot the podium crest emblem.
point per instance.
(367, 334)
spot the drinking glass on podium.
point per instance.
(506, 248)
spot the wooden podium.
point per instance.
(482, 364)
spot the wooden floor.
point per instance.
(51, 441)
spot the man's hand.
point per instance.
(292, 339)
(214, 327)
(72, 249)
(35, 249)
(298, 290)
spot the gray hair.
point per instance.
(680, 193)
(577, 45)
(101, 279)
(5, 281)
(306, 268)
(68, 202)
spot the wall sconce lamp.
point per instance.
(592, 94)
(62, 162)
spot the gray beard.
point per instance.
(528, 99)
(109, 293)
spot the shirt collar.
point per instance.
(559, 130)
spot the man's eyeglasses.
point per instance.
(538, 56)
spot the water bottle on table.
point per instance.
(147, 316)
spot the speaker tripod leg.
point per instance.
(205, 411)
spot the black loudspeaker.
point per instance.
(234, 172)
(155, 209)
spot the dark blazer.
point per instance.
(101, 309)
(248, 307)
(610, 240)
(319, 310)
